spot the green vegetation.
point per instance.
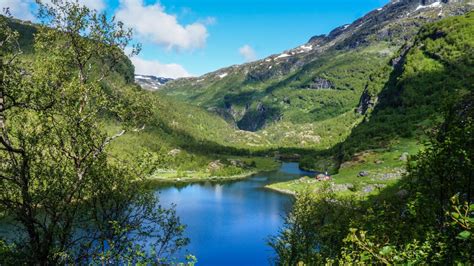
(426, 218)
(366, 173)
(180, 139)
(422, 217)
(200, 136)
(434, 73)
(295, 116)
(79, 139)
(70, 202)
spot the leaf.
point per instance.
(464, 235)
(386, 250)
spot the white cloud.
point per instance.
(248, 53)
(22, 9)
(155, 68)
(18, 8)
(152, 23)
(98, 5)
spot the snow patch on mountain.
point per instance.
(223, 75)
(433, 5)
(151, 82)
(282, 55)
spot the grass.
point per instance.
(259, 164)
(194, 177)
(383, 166)
(301, 120)
(286, 98)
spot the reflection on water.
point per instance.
(229, 223)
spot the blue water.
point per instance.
(229, 224)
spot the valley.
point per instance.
(355, 147)
(335, 97)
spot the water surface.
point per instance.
(229, 223)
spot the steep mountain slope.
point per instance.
(434, 75)
(305, 97)
(309, 98)
(368, 214)
(183, 136)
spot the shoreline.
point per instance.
(189, 180)
(280, 190)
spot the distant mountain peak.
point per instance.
(151, 82)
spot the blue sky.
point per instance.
(193, 37)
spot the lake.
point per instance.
(230, 223)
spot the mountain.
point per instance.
(180, 135)
(312, 101)
(307, 96)
(151, 82)
(403, 172)
(432, 74)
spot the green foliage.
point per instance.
(297, 240)
(292, 103)
(462, 218)
(168, 124)
(426, 217)
(314, 229)
(25, 32)
(435, 74)
(444, 167)
(72, 202)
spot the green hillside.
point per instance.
(312, 96)
(380, 110)
(183, 137)
(434, 74)
(302, 103)
(287, 112)
(376, 211)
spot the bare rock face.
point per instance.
(363, 173)
(174, 152)
(255, 118)
(365, 103)
(237, 163)
(430, 2)
(404, 157)
(371, 188)
(320, 83)
(318, 39)
(261, 108)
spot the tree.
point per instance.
(72, 202)
(297, 241)
(427, 218)
(314, 229)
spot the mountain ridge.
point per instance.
(317, 43)
(151, 82)
(261, 95)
